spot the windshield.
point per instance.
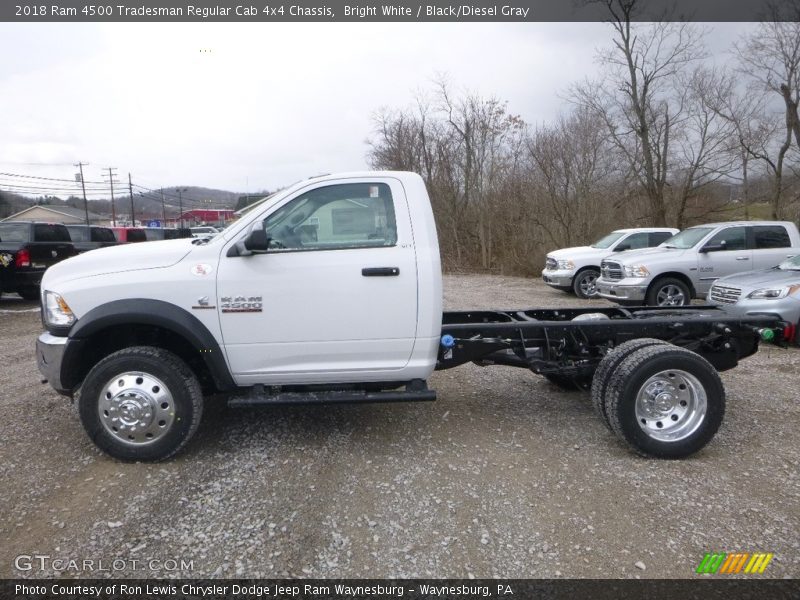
(686, 238)
(605, 242)
(791, 264)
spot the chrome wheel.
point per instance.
(136, 408)
(588, 284)
(671, 405)
(671, 295)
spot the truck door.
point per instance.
(771, 245)
(335, 296)
(733, 257)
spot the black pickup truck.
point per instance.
(26, 251)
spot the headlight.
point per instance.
(566, 264)
(774, 293)
(636, 271)
(56, 311)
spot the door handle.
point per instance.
(742, 258)
(380, 271)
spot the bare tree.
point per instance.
(635, 98)
(770, 58)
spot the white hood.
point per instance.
(576, 252)
(117, 259)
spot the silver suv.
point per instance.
(685, 266)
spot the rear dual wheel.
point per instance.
(607, 367)
(664, 401)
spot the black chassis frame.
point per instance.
(549, 341)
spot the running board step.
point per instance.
(330, 397)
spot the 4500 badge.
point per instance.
(239, 304)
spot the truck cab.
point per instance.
(326, 282)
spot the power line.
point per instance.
(43, 178)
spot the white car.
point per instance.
(577, 269)
(204, 231)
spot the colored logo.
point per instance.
(735, 562)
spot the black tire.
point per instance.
(569, 384)
(29, 293)
(681, 424)
(178, 404)
(585, 280)
(607, 366)
(668, 291)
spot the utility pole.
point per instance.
(163, 209)
(111, 176)
(83, 186)
(130, 188)
(180, 205)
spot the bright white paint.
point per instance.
(322, 321)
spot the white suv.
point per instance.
(577, 269)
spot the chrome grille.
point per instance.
(611, 270)
(724, 294)
(551, 264)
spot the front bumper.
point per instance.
(25, 278)
(49, 356)
(616, 290)
(787, 309)
(558, 278)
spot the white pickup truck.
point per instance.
(577, 269)
(331, 291)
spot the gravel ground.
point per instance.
(504, 475)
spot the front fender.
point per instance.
(143, 311)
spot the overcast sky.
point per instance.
(264, 104)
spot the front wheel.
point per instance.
(669, 292)
(585, 283)
(141, 403)
(665, 401)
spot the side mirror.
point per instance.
(622, 247)
(714, 247)
(257, 240)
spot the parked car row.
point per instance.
(748, 267)
(27, 249)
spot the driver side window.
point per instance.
(335, 217)
(734, 238)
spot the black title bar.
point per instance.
(396, 11)
(389, 589)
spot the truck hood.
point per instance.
(576, 252)
(116, 259)
(761, 279)
(650, 255)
